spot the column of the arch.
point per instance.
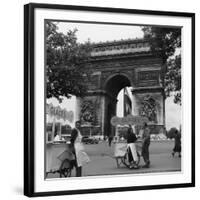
(105, 120)
(100, 101)
(158, 95)
(102, 114)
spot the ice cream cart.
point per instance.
(59, 157)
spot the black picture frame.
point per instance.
(29, 98)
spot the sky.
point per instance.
(101, 33)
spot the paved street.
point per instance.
(103, 161)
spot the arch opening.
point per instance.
(116, 83)
(114, 87)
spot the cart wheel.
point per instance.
(117, 161)
(125, 160)
(138, 155)
(65, 168)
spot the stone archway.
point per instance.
(113, 66)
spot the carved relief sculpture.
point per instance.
(148, 109)
(87, 112)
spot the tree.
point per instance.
(65, 59)
(173, 78)
(166, 42)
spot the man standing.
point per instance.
(76, 142)
(145, 145)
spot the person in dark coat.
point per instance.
(177, 144)
(132, 152)
(110, 138)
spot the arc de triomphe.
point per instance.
(113, 66)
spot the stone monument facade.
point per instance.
(118, 64)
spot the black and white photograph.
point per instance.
(109, 100)
(113, 99)
(99, 100)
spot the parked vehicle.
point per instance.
(89, 140)
(66, 137)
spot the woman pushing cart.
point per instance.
(132, 151)
(128, 153)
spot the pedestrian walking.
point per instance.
(132, 152)
(177, 144)
(110, 138)
(145, 145)
(78, 149)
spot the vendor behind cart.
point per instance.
(132, 152)
(78, 149)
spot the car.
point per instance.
(66, 137)
(98, 137)
(89, 140)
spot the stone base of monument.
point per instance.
(154, 129)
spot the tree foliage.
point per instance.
(65, 59)
(165, 42)
(173, 78)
